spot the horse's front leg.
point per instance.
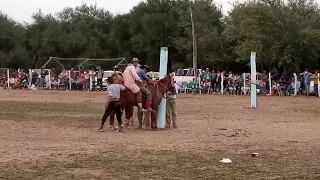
(140, 116)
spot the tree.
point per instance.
(278, 31)
(12, 37)
(208, 27)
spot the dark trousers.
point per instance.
(113, 106)
(213, 84)
(99, 83)
(316, 90)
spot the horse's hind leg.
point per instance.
(154, 121)
(129, 114)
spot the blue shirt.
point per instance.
(143, 76)
(208, 76)
(306, 77)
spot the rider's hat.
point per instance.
(135, 60)
(145, 67)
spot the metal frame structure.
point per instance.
(82, 61)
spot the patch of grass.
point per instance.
(75, 114)
(170, 164)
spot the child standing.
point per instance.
(113, 102)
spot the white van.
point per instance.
(186, 78)
(154, 75)
(105, 78)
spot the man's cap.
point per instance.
(145, 67)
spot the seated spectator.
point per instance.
(207, 85)
(73, 84)
(281, 85)
(11, 82)
(262, 87)
(56, 83)
(274, 87)
(290, 89)
(79, 83)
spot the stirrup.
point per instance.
(151, 110)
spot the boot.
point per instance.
(148, 104)
(139, 100)
(120, 129)
(141, 109)
(101, 128)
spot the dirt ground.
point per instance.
(206, 122)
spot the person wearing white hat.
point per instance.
(130, 77)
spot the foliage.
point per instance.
(285, 34)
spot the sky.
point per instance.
(21, 10)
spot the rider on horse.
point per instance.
(130, 77)
(141, 71)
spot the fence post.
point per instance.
(8, 78)
(222, 79)
(69, 80)
(270, 89)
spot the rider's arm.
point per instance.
(134, 74)
(145, 77)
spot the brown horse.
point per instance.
(129, 100)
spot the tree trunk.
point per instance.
(194, 51)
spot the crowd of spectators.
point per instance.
(41, 79)
(218, 82)
(210, 81)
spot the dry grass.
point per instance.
(169, 164)
(62, 114)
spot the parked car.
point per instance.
(105, 78)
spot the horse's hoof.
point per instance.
(139, 128)
(100, 130)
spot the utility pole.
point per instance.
(194, 45)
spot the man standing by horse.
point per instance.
(130, 78)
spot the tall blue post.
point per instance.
(162, 72)
(253, 80)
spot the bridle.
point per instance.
(167, 88)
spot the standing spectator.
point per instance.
(42, 79)
(219, 79)
(190, 72)
(87, 80)
(171, 109)
(306, 80)
(274, 73)
(72, 74)
(92, 76)
(208, 75)
(315, 78)
(99, 74)
(180, 72)
(213, 80)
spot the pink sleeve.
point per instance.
(134, 74)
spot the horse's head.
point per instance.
(168, 83)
